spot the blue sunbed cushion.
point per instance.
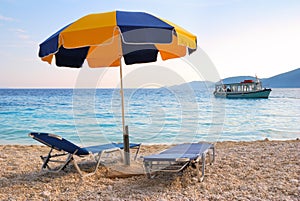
(99, 148)
(189, 151)
(121, 145)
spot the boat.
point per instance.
(244, 89)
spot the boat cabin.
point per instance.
(244, 86)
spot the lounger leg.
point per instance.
(96, 168)
(68, 160)
(78, 168)
(197, 170)
(200, 177)
(46, 160)
(98, 163)
(214, 154)
(203, 166)
(211, 155)
(97, 159)
(137, 152)
(148, 169)
(89, 174)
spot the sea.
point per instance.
(153, 116)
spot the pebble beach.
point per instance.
(256, 170)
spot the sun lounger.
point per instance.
(179, 157)
(70, 150)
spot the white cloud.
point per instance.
(4, 18)
(21, 33)
(20, 30)
(23, 36)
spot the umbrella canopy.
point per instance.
(104, 38)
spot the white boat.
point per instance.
(244, 89)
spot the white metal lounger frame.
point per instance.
(180, 164)
(71, 158)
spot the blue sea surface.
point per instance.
(154, 116)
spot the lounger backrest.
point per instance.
(58, 143)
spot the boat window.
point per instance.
(255, 87)
(251, 87)
(239, 88)
(258, 86)
(233, 88)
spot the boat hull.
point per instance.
(253, 94)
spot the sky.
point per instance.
(239, 37)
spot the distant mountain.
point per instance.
(194, 85)
(289, 79)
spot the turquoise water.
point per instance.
(153, 115)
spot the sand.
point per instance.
(258, 170)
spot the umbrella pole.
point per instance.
(125, 129)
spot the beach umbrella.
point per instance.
(104, 38)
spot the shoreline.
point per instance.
(243, 170)
(35, 143)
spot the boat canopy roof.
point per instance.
(245, 82)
